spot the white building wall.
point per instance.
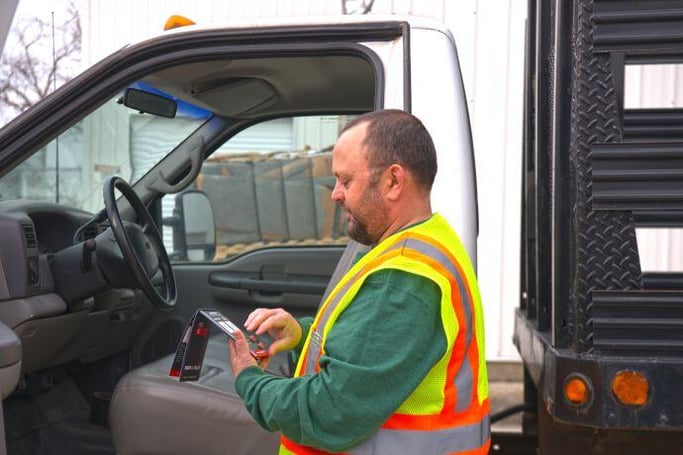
(489, 35)
(655, 86)
(108, 25)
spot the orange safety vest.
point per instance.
(448, 412)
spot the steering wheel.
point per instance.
(141, 244)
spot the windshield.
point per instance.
(113, 139)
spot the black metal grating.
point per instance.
(603, 251)
(637, 176)
(646, 125)
(645, 26)
(638, 323)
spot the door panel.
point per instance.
(293, 278)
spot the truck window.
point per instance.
(261, 125)
(113, 139)
(270, 185)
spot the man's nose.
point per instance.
(337, 194)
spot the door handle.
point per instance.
(267, 286)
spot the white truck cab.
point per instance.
(221, 137)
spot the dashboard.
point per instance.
(30, 233)
(60, 309)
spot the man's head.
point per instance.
(384, 163)
(394, 136)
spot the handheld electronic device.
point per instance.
(257, 347)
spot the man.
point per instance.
(394, 360)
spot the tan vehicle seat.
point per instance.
(152, 413)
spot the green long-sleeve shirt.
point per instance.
(377, 352)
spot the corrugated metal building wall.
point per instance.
(490, 37)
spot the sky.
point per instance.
(28, 10)
(42, 8)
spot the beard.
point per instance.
(358, 231)
(364, 224)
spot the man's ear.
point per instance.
(396, 180)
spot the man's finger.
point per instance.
(240, 341)
(278, 346)
(232, 348)
(263, 363)
(269, 322)
(256, 318)
(252, 316)
(240, 357)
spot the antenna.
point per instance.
(362, 6)
(54, 87)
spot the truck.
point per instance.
(193, 170)
(599, 337)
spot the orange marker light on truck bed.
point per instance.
(630, 387)
(577, 391)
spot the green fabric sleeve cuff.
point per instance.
(305, 324)
(295, 353)
(245, 377)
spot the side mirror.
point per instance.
(194, 236)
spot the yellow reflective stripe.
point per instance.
(464, 380)
(438, 228)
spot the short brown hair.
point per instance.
(395, 136)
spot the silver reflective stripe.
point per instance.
(316, 339)
(458, 439)
(315, 345)
(352, 250)
(464, 379)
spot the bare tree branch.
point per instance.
(28, 70)
(367, 8)
(357, 6)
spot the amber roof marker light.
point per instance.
(177, 21)
(577, 390)
(631, 388)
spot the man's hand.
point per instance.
(240, 358)
(279, 324)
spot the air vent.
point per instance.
(30, 236)
(90, 232)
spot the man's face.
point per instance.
(355, 191)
